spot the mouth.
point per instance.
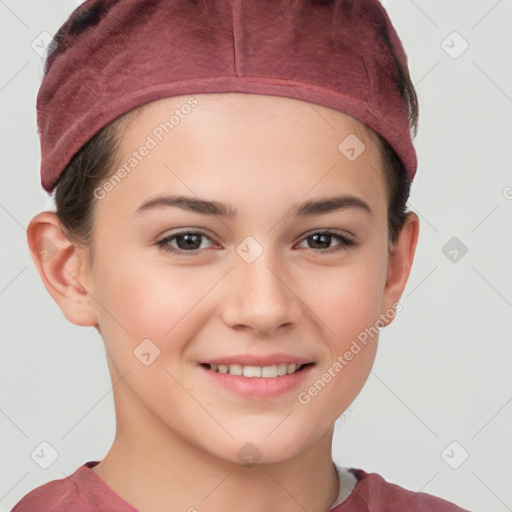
(263, 372)
(258, 382)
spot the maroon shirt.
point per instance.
(84, 491)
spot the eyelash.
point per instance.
(164, 243)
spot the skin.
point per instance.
(178, 435)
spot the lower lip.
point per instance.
(259, 387)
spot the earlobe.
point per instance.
(62, 267)
(399, 265)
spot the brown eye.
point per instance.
(187, 242)
(321, 241)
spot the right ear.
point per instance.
(63, 267)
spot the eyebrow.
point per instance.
(309, 208)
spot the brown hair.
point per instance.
(94, 162)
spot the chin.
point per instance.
(252, 447)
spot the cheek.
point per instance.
(348, 298)
(142, 299)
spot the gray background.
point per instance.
(441, 386)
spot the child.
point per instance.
(276, 136)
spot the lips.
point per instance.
(258, 376)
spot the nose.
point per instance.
(261, 297)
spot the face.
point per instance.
(269, 280)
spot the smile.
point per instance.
(266, 372)
(258, 382)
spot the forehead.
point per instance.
(243, 145)
(252, 107)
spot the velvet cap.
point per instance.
(131, 52)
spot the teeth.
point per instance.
(276, 370)
(235, 369)
(269, 371)
(252, 371)
(282, 369)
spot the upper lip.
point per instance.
(258, 360)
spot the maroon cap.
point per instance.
(132, 52)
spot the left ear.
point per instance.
(399, 265)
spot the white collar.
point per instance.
(347, 481)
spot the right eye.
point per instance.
(188, 242)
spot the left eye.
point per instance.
(323, 238)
